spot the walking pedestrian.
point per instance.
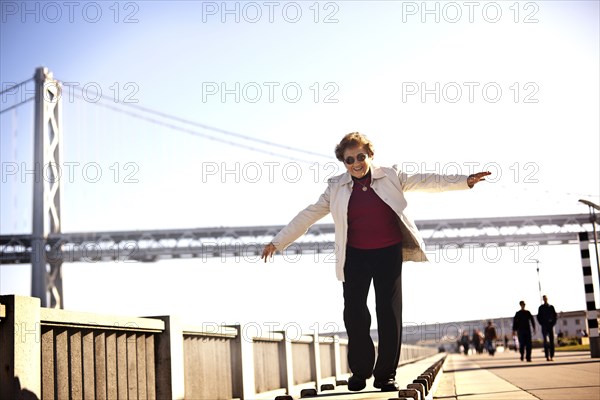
(465, 342)
(490, 336)
(476, 339)
(547, 319)
(521, 327)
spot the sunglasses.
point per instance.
(359, 157)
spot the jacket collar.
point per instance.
(376, 173)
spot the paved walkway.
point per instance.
(571, 376)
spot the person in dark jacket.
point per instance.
(476, 340)
(547, 319)
(490, 336)
(521, 328)
(464, 341)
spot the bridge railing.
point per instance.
(284, 364)
(91, 356)
(48, 353)
(211, 363)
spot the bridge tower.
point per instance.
(46, 275)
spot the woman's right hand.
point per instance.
(268, 251)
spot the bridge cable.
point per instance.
(226, 132)
(15, 86)
(215, 129)
(195, 132)
(16, 105)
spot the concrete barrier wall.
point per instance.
(327, 359)
(83, 363)
(269, 365)
(302, 355)
(411, 353)
(210, 364)
(344, 357)
(56, 354)
(92, 356)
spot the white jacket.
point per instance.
(390, 185)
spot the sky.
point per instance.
(446, 87)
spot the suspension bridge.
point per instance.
(48, 247)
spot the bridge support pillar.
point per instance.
(46, 283)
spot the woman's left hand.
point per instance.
(474, 178)
(268, 251)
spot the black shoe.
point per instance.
(355, 383)
(388, 385)
(522, 357)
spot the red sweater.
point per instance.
(372, 224)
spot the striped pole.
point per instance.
(592, 314)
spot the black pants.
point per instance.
(384, 268)
(548, 335)
(525, 344)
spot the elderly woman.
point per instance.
(373, 235)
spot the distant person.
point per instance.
(522, 329)
(464, 341)
(490, 336)
(547, 319)
(373, 237)
(506, 342)
(477, 341)
(516, 341)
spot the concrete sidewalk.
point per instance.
(571, 376)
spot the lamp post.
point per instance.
(592, 313)
(592, 209)
(537, 265)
